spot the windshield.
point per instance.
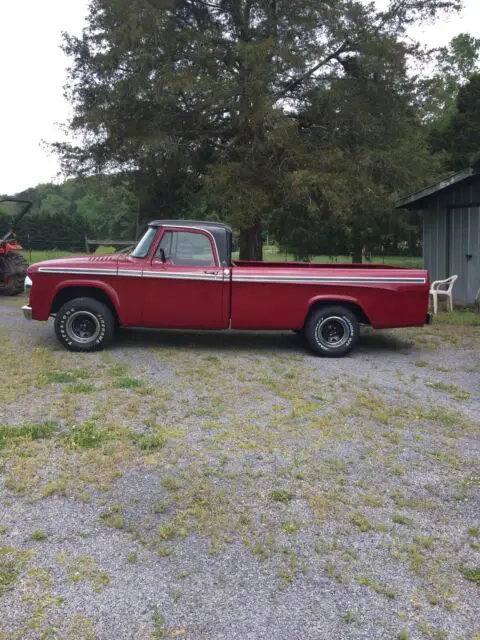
(143, 247)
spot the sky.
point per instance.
(33, 73)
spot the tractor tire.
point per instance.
(85, 324)
(15, 267)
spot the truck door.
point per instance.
(184, 284)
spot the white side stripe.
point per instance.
(76, 271)
(326, 280)
(218, 276)
(133, 273)
(183, 275)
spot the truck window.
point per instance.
(185, 248)
(143, 247)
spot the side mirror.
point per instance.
(162, 255)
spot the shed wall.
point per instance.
(451, 233)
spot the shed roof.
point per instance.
(420, 199)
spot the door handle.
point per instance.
(212, 273)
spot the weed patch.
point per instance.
(87, 436)
(471, 573)
(280, 495)
(128, 383)
(85, 568)
(378, 587)
(25, 432)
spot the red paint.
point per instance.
(217, 303)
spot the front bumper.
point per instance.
(27, 312)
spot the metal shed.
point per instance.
(451, 230)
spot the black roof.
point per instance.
(191, 223)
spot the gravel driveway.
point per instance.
(233, 486)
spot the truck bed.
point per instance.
(312, 265)
(278, 295)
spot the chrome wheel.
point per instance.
(83, 327)
(333, 332)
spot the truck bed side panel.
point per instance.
(265, 298)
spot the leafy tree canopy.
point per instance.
(266, 111)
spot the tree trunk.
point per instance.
(357, 253)
(251, 244)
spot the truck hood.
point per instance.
(80, 263)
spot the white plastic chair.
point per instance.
(436, 290)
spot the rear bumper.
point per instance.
(27, 312)
(428, 319)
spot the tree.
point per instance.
(454, 66)
(199, 100)
(459, 138)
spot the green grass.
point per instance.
(160, 630)
(81, 387)
(361, 522)
(457, 392)
(378, 587)
(349, 617)
(38, 535)
(273, 254)
(12, 562)
(38, 256)
(291, 527)
(128, 383)
(62, 377)
(152, 441)
(87, 569)
(460, 317)
(280, 495)
(270, 252)
(471, 573)
(87, 436)
(9, 574)
(113, 517)
(25, 432)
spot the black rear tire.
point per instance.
(85, 324)
(332, 332)
(16, 267)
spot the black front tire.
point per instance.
(332, 332)
(85, 324)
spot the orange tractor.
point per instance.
(13, 266)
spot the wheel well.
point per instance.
(351, 306)
(69, 293)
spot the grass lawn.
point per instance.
(212, 486)
(270, 253)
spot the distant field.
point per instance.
(270, 253)
(38, 256)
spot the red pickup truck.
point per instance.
(181, 276)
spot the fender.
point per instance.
(336, 299)
(93, 284)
